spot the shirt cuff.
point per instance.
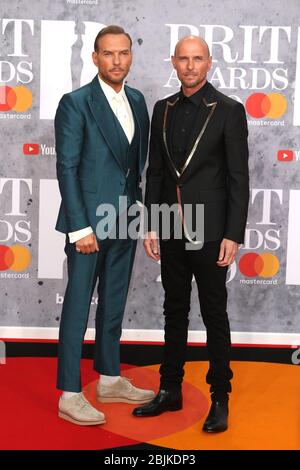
(78, 234)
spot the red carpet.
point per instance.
(29, 410)
(263, 410)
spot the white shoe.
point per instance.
(78, 410)
(123, 391)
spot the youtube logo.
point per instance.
(285, 155)
(31, 149)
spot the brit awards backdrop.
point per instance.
(45, 51)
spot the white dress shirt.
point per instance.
(122, 110)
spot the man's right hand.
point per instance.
(87, 245)
(151, 245)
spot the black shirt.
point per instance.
(184, 117)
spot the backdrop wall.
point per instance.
(45, 51)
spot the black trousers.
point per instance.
(177, 268)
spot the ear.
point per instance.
(209, 63)
(95, 58)
(173, 59)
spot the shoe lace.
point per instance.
(84, 404)
(128, 382)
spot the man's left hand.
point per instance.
(228, 251)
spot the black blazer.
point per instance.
(215, 172)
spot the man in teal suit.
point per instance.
(101, 134)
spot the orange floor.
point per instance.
(264, 410)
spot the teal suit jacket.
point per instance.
(89, 168)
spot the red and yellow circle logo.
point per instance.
(260, 105)
(254, 264)
(18, 98)
(16, 257)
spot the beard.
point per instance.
(191, 83)
(109, 77)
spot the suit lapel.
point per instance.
(206, 111)
(104, 118)
(167, 129)
(138, 116)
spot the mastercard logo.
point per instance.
(254, 264)
(18, 98)
(260, 105)
(16, 257)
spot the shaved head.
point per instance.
(195, 39)
(192, 62)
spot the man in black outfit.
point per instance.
(198, 155)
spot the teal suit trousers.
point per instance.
(111, 267)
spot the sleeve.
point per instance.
(237, 154)
(155, 170)
(78, 234)
(69, 136)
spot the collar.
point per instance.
(109, 92)
(195, 98)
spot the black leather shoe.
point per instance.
(217, 418)
(165, 400)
